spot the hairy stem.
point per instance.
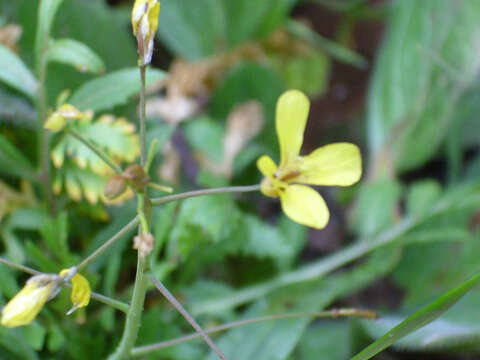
(335, 313)
(96, 150)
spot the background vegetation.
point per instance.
(398, 78)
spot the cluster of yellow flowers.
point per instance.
(24, 307)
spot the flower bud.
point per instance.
(24, 307)
(144, 23)
(114, 187)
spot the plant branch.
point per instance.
(202, 192)
(84, 263)
(187, 316)
(335, 313)
(95, 149)
(23, 268)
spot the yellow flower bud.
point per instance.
(24, 307)
(81, 292)
(144, 23)
(59, 118)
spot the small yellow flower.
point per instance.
(81, 292)
(24, 307)
(335, 164)
(144, 23)
(59, 118)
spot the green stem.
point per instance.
(135, 310)
(335, 313)
(84, 263)
(23, 268)
(116, 304)
(96, 150)
(189, 194)
(134, 313)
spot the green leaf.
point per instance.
(193, 30)
(12, 160)
(326, 341)
(113, 89)
(46, 14)
(419, 319)
(35, 335)
(423, 70)
(203, 128)
(422, 196)
(375, 209)
(114, 136)
(77, 54)
(14, 73)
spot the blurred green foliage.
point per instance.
(230, 257)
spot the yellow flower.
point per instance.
(81, 292)
(59, 118)
(144, 23)
(24, 307)
(334, 164)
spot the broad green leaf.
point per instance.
(376, 207)
(422, 196)
(424, 68)
(326, 341)
(193, 30)
(16, 111)
(113, 89)
(35, 335)
(14, 73)
(77, 54)
(46, 14)
(419, 319)
(12, 160)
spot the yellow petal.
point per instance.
(80, 292)
(153, 13)
(305, 206)
(266, 166)
(335, 164)
(291, 118)
(24, 307)
(138, 10)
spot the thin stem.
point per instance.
(189, 194)
(23, 268)
(335, 313)
(99, 297)
(116, 304)
(143, 142)
(187, 316)
(96, 150)
(84, 263)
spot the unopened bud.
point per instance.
(144, 23)
(114, 187)
(59, 118)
